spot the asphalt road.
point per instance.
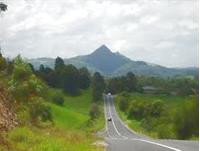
(121, 138)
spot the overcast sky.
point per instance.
(164, 32)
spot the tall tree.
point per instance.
(59, 63)
(69, 78)
(98, 86)
(130, 82)
(84, 78)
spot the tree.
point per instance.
(59, 64)
(84, 78)
(3, 63)
(94, 111)
(32, 67)
(22, 70)
(3, 7)
(130, 82)
(69, 78)
(41, 69)
(98, 86)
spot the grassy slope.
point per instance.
(70, 132)
(74, 114)
(173, 102)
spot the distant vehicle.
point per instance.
(109, 94)
(109, 119)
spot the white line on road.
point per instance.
(165, 146)
(142, 140)
(105, 111)
(114, 124)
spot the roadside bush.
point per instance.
(136, 110)
(125, 94)
(23, 114)
(94, 111)
(187, 120)
(154, 109)
(147, 123)
(142, 109)
(123, 104)
(23, 90)
(166, 131)
(24, 84)
(22, 70)
(39, 111)
(58, 99)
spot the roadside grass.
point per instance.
(31, 139)
(172, 102)
(72, 130)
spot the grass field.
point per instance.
(173, 103)
(71, 130)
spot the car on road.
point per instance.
(109, 119)
(109, 94)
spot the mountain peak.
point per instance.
(102, 49)
(105, 60)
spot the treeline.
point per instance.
(170, 85)
(66, 77)
(178, 85)
(71, 79)
(127, 83)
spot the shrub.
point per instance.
(58, 99)
(166, 131)
(125, 94)
(136, 110)
(154, 109)
(94, 111)
(31, 87)
(22, 70)
(187, 120)
(39, 111)
(23, 114)
(123, 104)
(147, 123)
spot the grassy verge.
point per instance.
(72, 130)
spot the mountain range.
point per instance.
(109, 63)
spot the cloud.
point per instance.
(158, 31)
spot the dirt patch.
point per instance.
(8, 118)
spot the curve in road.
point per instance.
(121, 138)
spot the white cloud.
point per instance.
(152, 31)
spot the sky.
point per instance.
(163, 32)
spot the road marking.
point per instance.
(124, 123)
(105, 111)
(142, 140)
(109, 108)
(165, 146)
